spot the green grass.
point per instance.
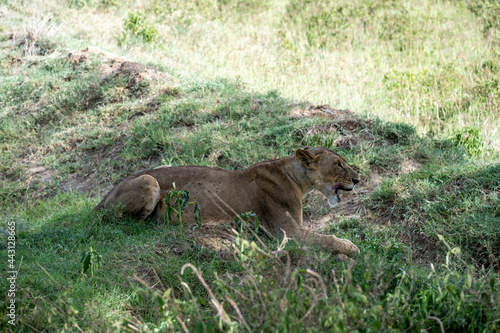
(384, 291)
(57, 240)
(460, 203)
(402, 61)
(420, 79)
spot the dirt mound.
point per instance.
(343, 125)
(351, 124)
(113, 66)
(81, 56)
(324, 111)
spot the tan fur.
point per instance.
(272, 189)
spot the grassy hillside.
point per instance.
(406, 91)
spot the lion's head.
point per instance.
(328, 172)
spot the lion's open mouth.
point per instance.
(339, 187)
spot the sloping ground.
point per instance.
(59, 119)
(112, 117)
(75, 124)
(133, 78)
(127, 80)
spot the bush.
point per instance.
(137, 25)
(470, 139)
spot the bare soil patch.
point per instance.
(425, 249)
(323, 111)
(113, 66)
(217, 238)
(143, 275)
(410, 165)
(78, 183)
(39, 173)
(214, 237)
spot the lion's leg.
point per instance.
(158, 212)
(328, 242)
(335, 244)
(290, 224)
(137, 196)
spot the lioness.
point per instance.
(271, 189)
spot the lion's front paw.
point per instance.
(350, 247)
(342, 257)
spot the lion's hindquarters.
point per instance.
(137, 196)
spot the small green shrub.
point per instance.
(181, 202)
(243, 222)
(136, 25)
(320, 140)
(470, 139)
(90, 260)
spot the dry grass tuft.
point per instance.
(37, 34)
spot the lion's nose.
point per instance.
(355, 181)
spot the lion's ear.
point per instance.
(307, 159)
